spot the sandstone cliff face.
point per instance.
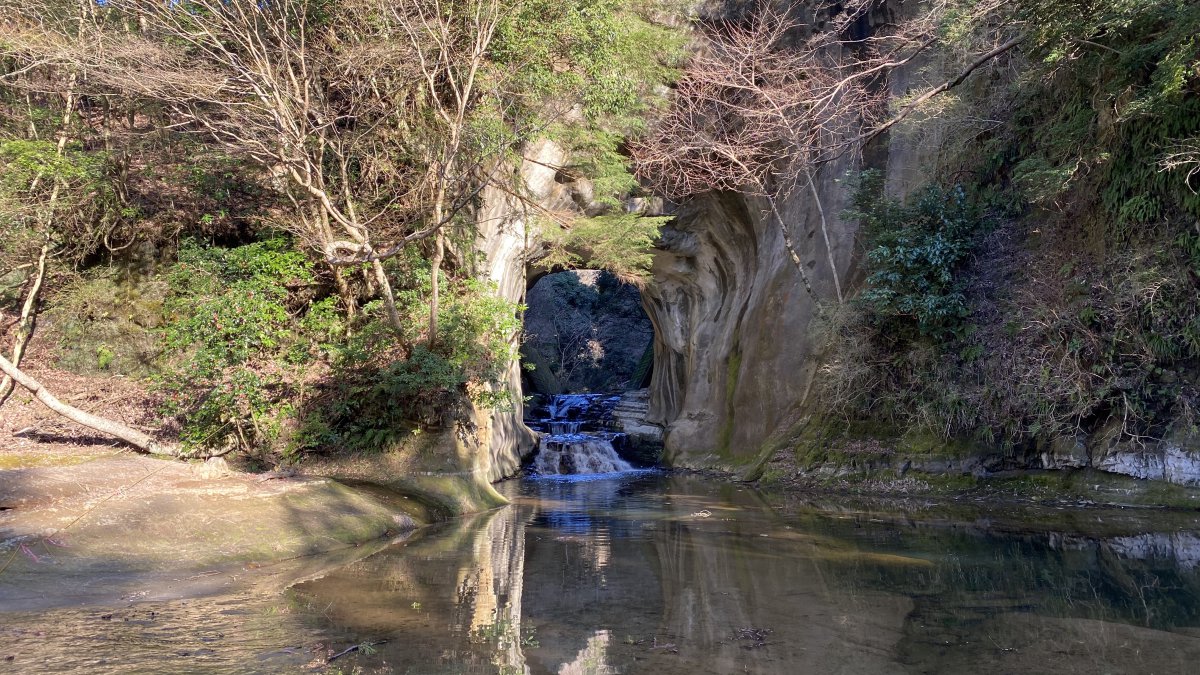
(735, 354)
(733, 358)
(505, 237)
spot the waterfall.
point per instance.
(574, 441)
(578, 453)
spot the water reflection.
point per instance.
(653, 573)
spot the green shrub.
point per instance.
(381, 386)
(229, 326)
(915, 255)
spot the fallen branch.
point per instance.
(133, 437)
(352, 649)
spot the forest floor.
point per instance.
(32, 434)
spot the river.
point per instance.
(649, 572)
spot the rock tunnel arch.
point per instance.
(585, 330)
(587, 360)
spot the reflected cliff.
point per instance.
(663, 574)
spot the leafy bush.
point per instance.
(381, 386)
(1116, 90)
(620, 243)
(916, 252)
(228, 324)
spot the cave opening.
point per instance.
(587, 356)
(585, 332)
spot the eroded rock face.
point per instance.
(1171, 459)
(733, 357)
(504, 237)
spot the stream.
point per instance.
(646, 571)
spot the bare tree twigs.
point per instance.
(769, 100)
(1183, 156)
(756, 116)
(912, 106)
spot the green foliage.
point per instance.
(228, 326)
(603, 53)
(1083, 306)
(915, 256)
(228, 305)
(381, 387)
(65, 198)
(26, 160)
(620, 243)
(250, 343)
(1116, 90)
(606, 56)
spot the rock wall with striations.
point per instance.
(733, 362)
(735, 359)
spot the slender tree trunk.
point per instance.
(348, 299)
(837, 283)
(25, 326)
(389, 300)
(105, 426)
(29, 309)
(439, 253)
(791, 247)
(385, 285)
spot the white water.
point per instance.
(569, 450)
(579, 453)
(559, 428)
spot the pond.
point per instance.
(648, 572)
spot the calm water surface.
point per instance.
(651, 573)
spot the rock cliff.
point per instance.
(736, 358)
(733, 362)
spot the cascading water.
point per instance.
(574, 440)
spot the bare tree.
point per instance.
(767, 101)
(54, 199)
(1183, 156)
(451, 42)
(381, 123)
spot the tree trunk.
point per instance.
(837, 284)
(29, 309)
(25, 326)
(389, 300)
(108, 427)
(348, 299)
(788, 243)
(439, 252)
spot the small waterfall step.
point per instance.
(576, 454)
(576, 436)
